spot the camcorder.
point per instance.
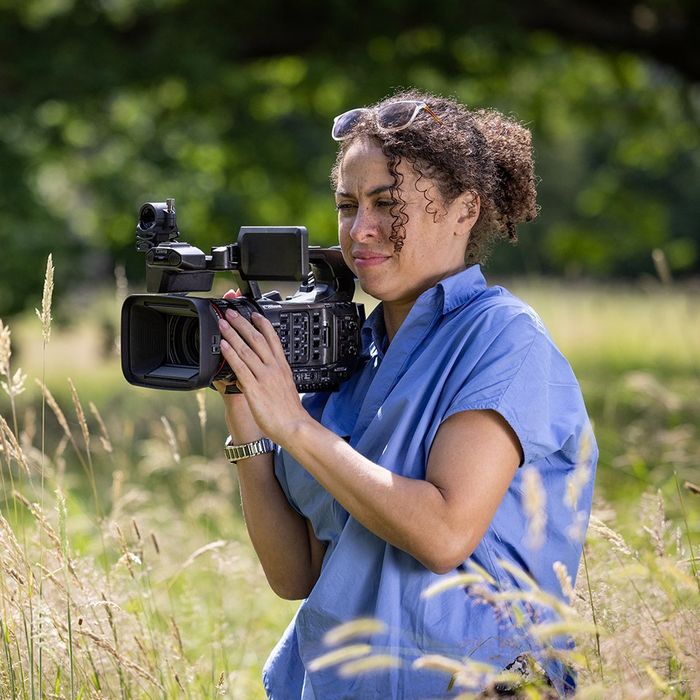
(170, 340)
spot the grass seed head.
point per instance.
(534, 500)
(45, 313)
(5, 349)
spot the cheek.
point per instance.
(343, 233)
(345, 242)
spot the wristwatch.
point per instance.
(235, 453)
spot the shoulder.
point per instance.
(496, 315)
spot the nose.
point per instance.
(365, 225)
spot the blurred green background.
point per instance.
(105, 104)
(227, 106)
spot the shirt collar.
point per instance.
(450, 294)
(458, 289)
(373, 334)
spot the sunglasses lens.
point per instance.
(397, 115)
(344, 123)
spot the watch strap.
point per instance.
(236, 453)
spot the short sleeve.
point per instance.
(523, 376)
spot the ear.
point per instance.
(469, 206)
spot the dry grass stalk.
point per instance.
(12, 554)
(11, 447)
(564, 579)
(29, 432)
(117, 486)
(217, 544)
(171, 439)
(14, 384)
(614, 538)
(53, 405)
(339, 656)
(550, 630)
(35, 510)
(80, 415)
(582, 472)
(5, 349)
(657, 531)
(119, 658)
(104, 434)
(178, 637)
(45, 313)
(122, 284)
(437, 662)
(448, 582)
(221, 687)
(128, 557)
(534, 500)
(202, 409)
(362, 627)
(376, 662)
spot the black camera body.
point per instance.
(170, 340)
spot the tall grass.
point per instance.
(125, 571)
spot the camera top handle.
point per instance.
(261, 253)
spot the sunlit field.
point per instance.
(125, 571)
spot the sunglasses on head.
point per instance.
(394, 116)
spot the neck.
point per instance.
(395, 312)
(394, 315)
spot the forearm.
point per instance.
(279, 534)
(411, 514)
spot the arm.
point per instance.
(284, 541)
(289, 552)
(439, 520)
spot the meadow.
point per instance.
(125, 570)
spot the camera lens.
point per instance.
(147, 216)
(183, 341)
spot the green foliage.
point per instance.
(131, 599)
(106, 105)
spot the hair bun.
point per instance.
(510, 146)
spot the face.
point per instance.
(433, 247)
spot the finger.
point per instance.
(251, 335)
(270, 334)
(244, 352)
(244, 375)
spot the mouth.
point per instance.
(368, 258)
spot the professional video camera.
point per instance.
(172, 341)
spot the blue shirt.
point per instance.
(463, 346)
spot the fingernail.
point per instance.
(222, 324)
(224, 345)
(230, 313)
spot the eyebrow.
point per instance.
(371, 193)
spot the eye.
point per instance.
(344, 206)
(386, 202)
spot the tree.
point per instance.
(227, 106)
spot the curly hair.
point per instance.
(480, 151)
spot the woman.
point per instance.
(414, 467)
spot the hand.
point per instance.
(239, 419)
(255, 354)
(221, 385)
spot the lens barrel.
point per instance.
(170, 341)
